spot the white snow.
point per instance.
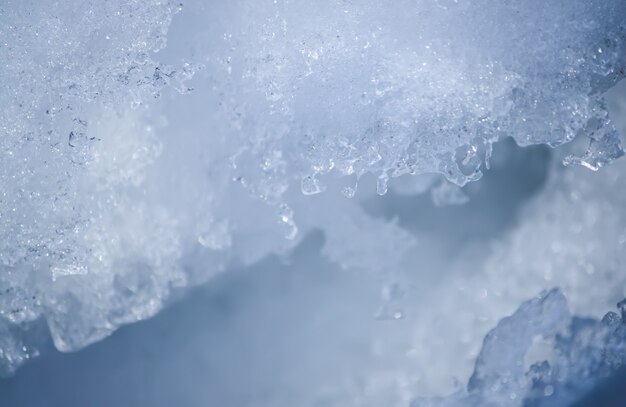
(148, 146)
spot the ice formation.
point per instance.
(579, 351)
(149, 145)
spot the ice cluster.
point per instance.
(148, 145)
(578, 352)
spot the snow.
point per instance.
(150, 146)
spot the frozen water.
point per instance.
(499, 371)
(574, 353)
(60, 65)
(122, 185)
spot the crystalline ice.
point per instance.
(119, 184)
(581, 353)
(604, 144)
(499, 371)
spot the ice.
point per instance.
(148, 146)
(580, 352)
(604, 145)
(499, 371)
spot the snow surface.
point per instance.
(148, 146)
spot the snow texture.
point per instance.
(148, 146)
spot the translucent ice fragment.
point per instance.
(604, 141)
(311, 186)
(285, 214)
(499, 373)
(382, 184)
(600, 152)
(567, 356)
